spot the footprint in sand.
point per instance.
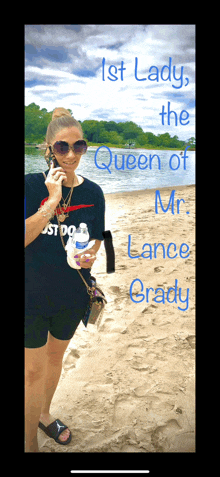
(71, 358)
(149, 309)
(115, 290)
(191, 341)
(161, 435)
(124, 410)
(184, 442)
(158, 269)
(142, 391)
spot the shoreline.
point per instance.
(148, 191)
(142, 148)
(93, 148)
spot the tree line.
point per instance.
(109, 133)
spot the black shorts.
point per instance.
(57, 304)
(62, 325)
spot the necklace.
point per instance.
(65, 204)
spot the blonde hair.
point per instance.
(61, 118)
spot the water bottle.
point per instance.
(70, 249)
(78, 243)
(81, 237)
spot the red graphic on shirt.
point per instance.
(59, 210)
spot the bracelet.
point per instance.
(48, 206)
(43, 211)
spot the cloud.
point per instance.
(63, 67)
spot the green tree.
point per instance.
(191, 142)
(37, 120)
(90, 129)
(152, 139)
(115, 138)
(164, 139)
(131, 130)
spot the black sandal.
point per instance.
(54, 430)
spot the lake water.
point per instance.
(146, 174)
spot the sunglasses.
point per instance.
(62, 147)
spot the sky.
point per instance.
(64, 66)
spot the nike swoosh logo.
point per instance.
(70, 208)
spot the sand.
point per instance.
(130, 386)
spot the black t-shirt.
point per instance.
(47, 273)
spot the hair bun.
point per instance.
(59, 112)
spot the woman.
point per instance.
(55, 295)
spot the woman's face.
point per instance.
(70, 161)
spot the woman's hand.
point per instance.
(86, 259)
(54, 181)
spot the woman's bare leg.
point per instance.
(53, 366)
(34, 389)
